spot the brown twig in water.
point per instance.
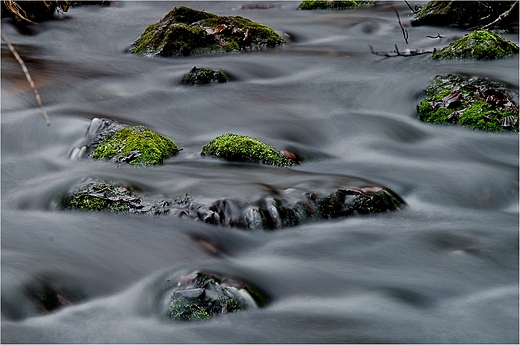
(438, 36)
(29, 79)
(396, 52)
(414, 10)
(405, 33)
(500, 17)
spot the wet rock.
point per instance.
(287, 209)
(241, 148)
(201, 75)
(200, 296)
(185, 31)
(466, 13)
(120, 143)
(478, 45)
(50, 292)
(331, 4)
(472, 102)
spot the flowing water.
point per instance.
(443, 269)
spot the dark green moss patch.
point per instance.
(479, 45)
(185, 31)
(200, 75)
(241, 148)
(200, 296)
(466, 14)
(331, 4)
(472, 102)
(135, 145)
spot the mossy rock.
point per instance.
(471, 102)
(201, 75)
(201, 296)
(185, 31)
(96, 195)
(465, 13)
(478, 45)
(331, 4)
(135, 145)
(241, 148)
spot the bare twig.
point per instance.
(414, 10)
(406, 53)
(500, 17)
(405, 33)
(29, 79)
(438, 36)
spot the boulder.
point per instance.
(241, 148)
(471, 102)
(200, 296)
(120, 143)
(466, 13)
(201, 75)
(478, 45)
(331, 4)
(185, 31)
(295, 207)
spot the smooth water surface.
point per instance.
(444, 269)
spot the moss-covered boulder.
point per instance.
(466, 13)
(331, 4)
(185, 31)
(201, 75)
(241, 148)
(97, 195)
(478, 45)
(135, 145)
(200, 296)
(471, 102)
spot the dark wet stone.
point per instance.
(51, 292)
(268, 212)
(201, 75)
(471, 102)
(200, 296)
(466, 13)
(332, 4)
(185, 31)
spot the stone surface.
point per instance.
(472, 102)
(241, 148)
(185, 31)
(478, 45)
(331, 4)
(201, 75)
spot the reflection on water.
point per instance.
(444, 269)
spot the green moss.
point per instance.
(479, 45)
(235, 147)
(481, 104)
(151, 147)
(185, 31)
(325, 4)
(187, 310)
(200, 75)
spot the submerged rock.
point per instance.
(478, 45)
(185, 31)
(120, 143)
(201, 296)
(286, 209)
(331, 4)
(466, 13)
(201, 75)
(241, 148)
(472, 102)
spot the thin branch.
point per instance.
(500, 17)
(438, 36)
(29, 79)
(415, 10)
(405, 33)
(397, 52)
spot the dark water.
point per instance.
(445, 269)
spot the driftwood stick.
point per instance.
(405, 32)
(29, 78)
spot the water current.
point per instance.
(442, 270)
